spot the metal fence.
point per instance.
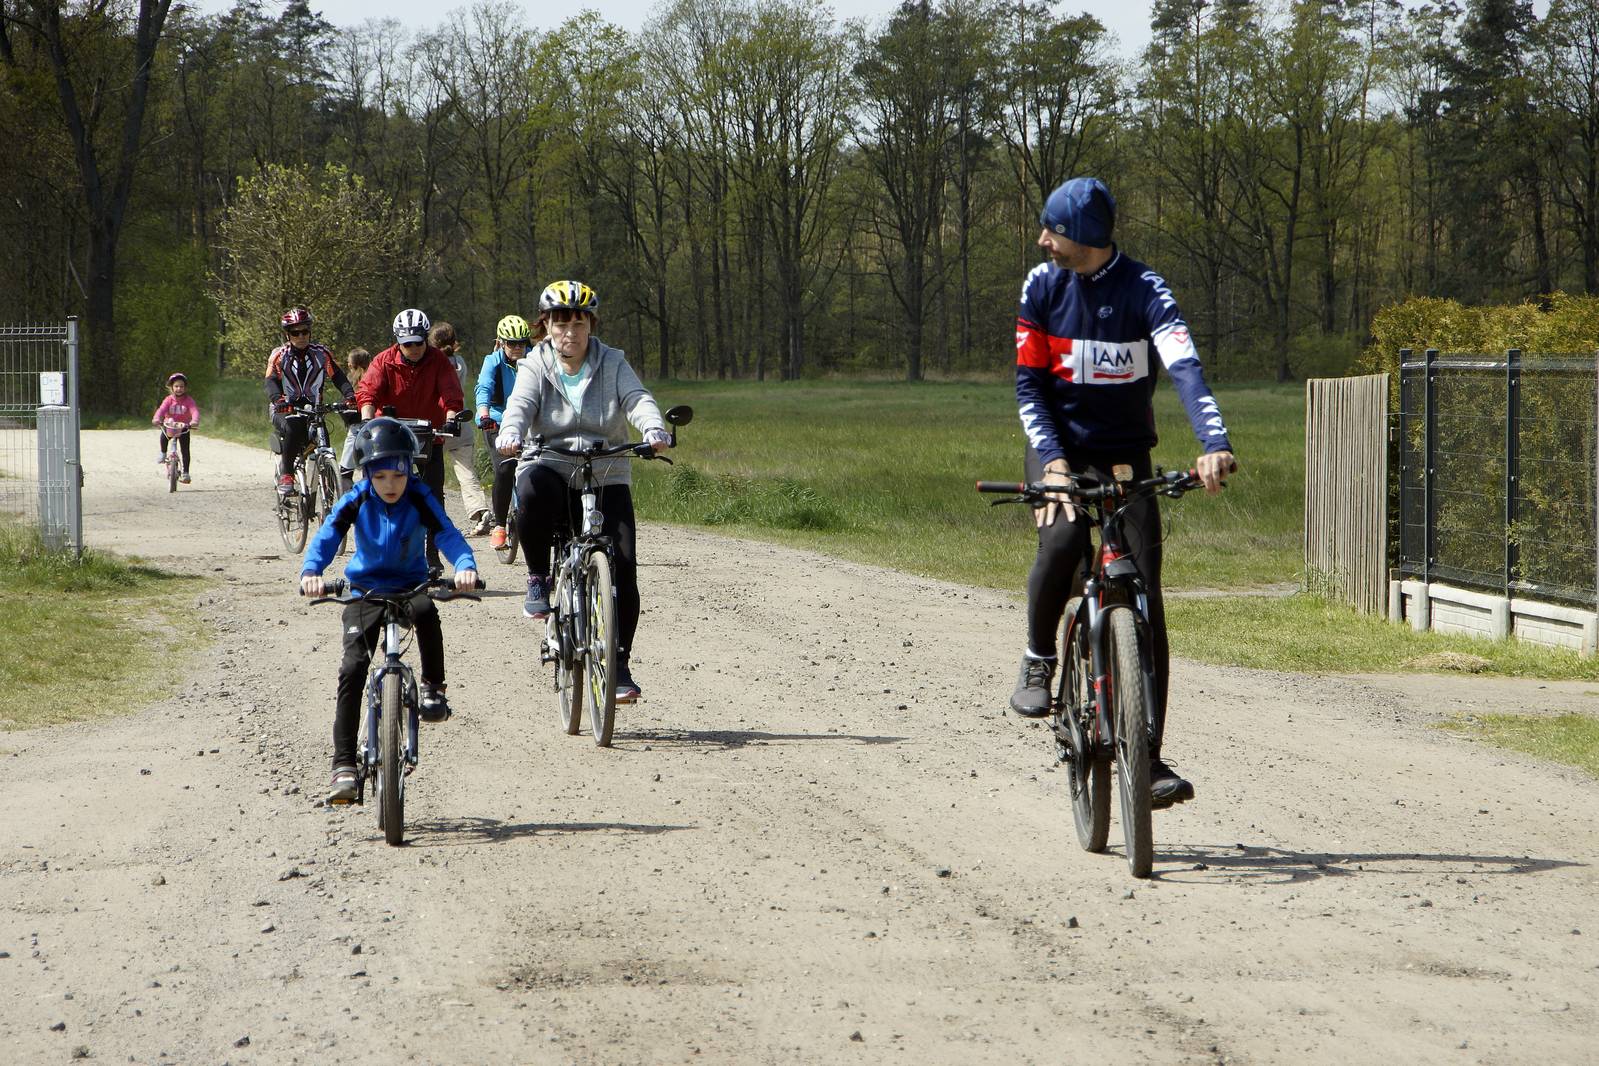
(1346, 490)
(40, 467)
(1498, 471)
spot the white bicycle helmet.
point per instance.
(411, 325)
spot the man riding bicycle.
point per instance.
(513, 337)
(1087, 324)
(573, 389)
(296, 374)
(418, 381)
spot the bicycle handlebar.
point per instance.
(639, 448)
(436, 588)
(1087, 489)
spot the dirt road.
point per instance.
(817, 840)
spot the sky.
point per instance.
(1127, 19)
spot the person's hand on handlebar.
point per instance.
(1055, 472)
(311, 585)
(507, 443)
(465, 580)
(658, 439)
(1212, 467)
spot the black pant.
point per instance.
(294, 433)
(433, 478)
(363, 627)
(1062, 562)
(182, 440)
(504, 480)
(545, 504)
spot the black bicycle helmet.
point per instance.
(384, 438)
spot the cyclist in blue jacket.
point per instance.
(513, 337)
(391, 511)
(1091, 322)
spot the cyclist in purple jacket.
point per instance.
(1090, 321)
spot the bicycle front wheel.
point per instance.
(391, 771)
(568, 656)
(292, 517)
(172, 469)
(507, 554)
(600, 656)
(1087, 768)
(1133, 698)
(327, 489)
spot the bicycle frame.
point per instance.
(396, 625)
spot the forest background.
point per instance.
(759, 190)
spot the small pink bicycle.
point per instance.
(174, 429)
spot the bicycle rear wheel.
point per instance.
(292, 516)
(599, 657)
(568, 656)
(1133, 715)
(1088, 770)
(391, 774)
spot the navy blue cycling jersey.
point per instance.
(1084, 379)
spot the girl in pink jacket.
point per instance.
(177, 409)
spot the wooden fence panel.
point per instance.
(1346, 490)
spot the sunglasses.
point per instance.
(299, 333)
(411, 344)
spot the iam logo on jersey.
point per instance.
(1107, 362)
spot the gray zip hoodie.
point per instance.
(613, 397)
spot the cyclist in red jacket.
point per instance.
(418, 381)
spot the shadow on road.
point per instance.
(453, 832)
(733, 739)
(1223, 865)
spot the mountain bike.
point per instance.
(317, 485)
(507, 551)
(174, 430)
(580, 631)
(388, 750)
(1103, 710)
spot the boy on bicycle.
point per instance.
(391, 512)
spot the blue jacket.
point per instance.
(1084, 368)
(495, 382)
(390, 554)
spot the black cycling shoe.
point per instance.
(1031, 698)
(627, 690)
(1166, 788)
(435, 708)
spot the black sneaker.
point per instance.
(537, 604)
(435, 708)
(627, 689)
(1166, 788)
(1031, 698)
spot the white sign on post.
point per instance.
(53, 388)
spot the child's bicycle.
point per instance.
(580, 632)
(317, 485)
(388, 750)
(173, 429)
(1104, 705)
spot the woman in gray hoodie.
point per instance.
(571, 389)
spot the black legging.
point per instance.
(294, 432)
(1061, 563)
(362, 628)
(183, 447)
(545, 504)
(504, 480)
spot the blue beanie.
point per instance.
(1082, 210)
(388, 462)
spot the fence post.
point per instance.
(1428, 469)
(1404, 454)
(74, 442)
(1512, 461)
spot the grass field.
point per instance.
(1572, 739)
(108, 626)
(882, 472)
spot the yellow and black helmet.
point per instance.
(568, 295)
(513, 328)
